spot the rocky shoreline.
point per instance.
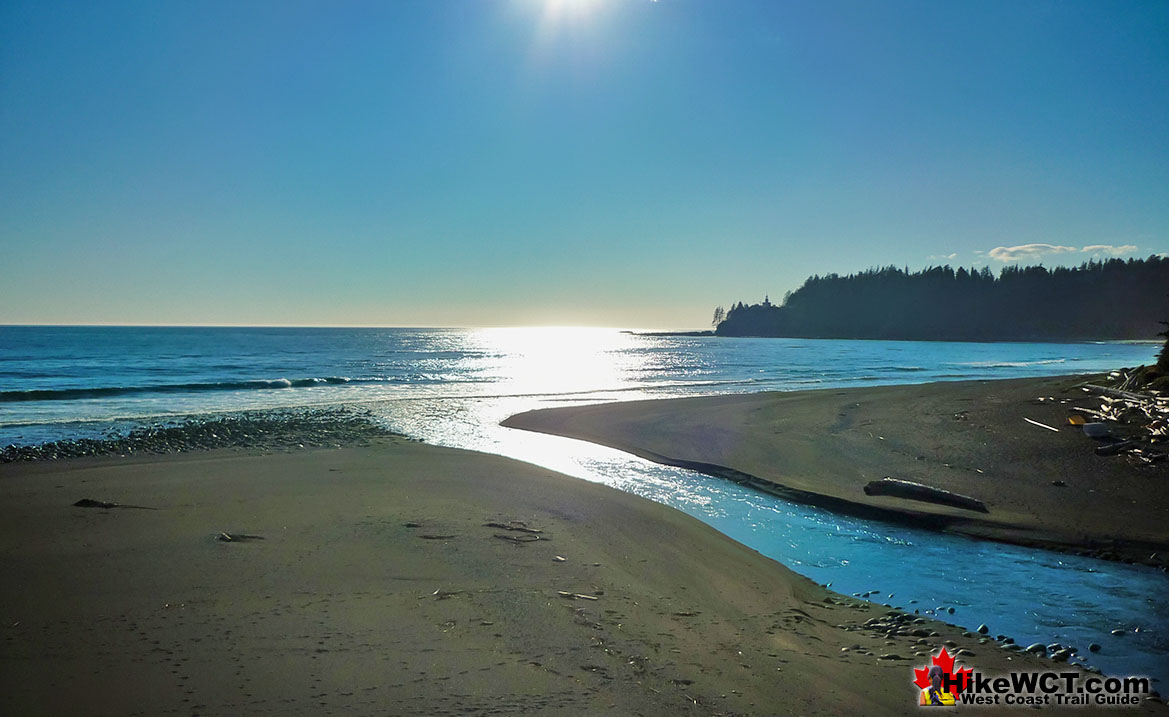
(284, 428)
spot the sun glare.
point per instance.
(556, 16)
(536, 360)
(569, 9)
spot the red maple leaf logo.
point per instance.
(960, 678)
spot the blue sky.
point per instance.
(598, 162)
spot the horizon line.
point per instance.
(333, 326)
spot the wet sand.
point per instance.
(376, 587)
(970, 437)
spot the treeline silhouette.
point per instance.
(1113, 299)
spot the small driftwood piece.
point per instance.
(1041, 425)
(1091, 412)
(517, 525)
(91, 503)
(1116, 393)
(237, 537)
(928, 494)
(1146, 456)
(1112, 449)
(575, 596)
(441, 594)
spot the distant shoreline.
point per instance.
(1151, 342)
(668, 333)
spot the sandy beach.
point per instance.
(375, 585)
(970, 437)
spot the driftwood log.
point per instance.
(917, 491)
(1116, 393)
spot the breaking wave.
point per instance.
(71, 394)
(1009, 364)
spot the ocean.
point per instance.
(453, 387)
(81, 381)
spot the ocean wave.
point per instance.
(1008, 364)
(72, 394)
(698, 383)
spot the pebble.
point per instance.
(1093, 647)
(282, 428)
(1037, 648)
(983, 629)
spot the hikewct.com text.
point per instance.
(1048, 688)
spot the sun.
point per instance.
(564, 11)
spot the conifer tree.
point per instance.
(1163, 358)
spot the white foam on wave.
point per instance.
(1008, 364)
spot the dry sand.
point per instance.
(823, 447)
(377, 589)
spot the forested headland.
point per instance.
(1098, 300)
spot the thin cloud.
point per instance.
(942, 256)
(1028, 251)
(1035, 251)
(1110, 249)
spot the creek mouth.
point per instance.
(1028, 594)
(1124, 551)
